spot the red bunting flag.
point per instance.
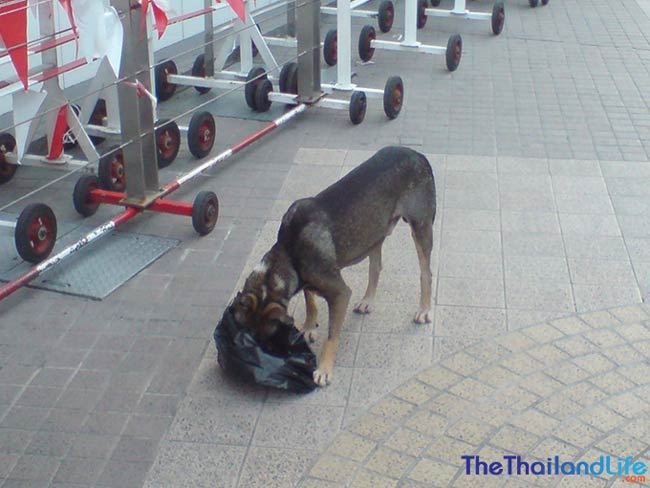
(67, 6)
(159, 15)
(13, 31)
(238, 8)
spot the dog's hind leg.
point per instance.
(374, 268)
(422, 233)
(311, 319)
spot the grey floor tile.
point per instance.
(463, 219)
(525, 244)
(469, 321)
(595, 297)
(536, 222)
(520, 201)
(579, 184)
(302, 426)
(539, 296)
(80, 471)
(536, 268)
(595, 272)
(590, 247)
(465, 265)
(35, 468)
(590, 225)
(574, 167)
(121, 474)
(217, 420)
(186, 464)
(477, 242)
(470, 292)
(393, 351)
(274, 468)
(587, 203)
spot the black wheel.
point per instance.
(255, 76)
(498, 18)
(533, 3)
(289, 78)
(168, 142)
(366, 51)
(201, 134)
(358, 106)
(165, 89)
(198, 71)
(111, 171)
(422, 14)
(7, 145)
(330, 49)
(35, 233)
(69, 139)
(97, 118)
(545, 2)
(435, 3)
(205, 212)
(393, 96)
(454, 52)
(81, 199)
(386, 15)
(262, 91)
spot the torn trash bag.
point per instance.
(286, 362)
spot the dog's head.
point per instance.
(261, 306)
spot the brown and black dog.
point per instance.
(339, 227)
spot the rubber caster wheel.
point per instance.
(205, 212)
(255, 76)
(385, 16)
(81, 199)
(545, 2)
(358, 104)
(330, 49)
(201, 134)
(422, 13)
(498, 18)
(111, 171)
(35, 233)
(168, 142)
(366, 51)
(7, 145)
(69, 139)
(198, 71)
(454, 52)
(289, 78)
(533, 3)
(393, 97)
(165, 89)
(262, 101)
(435, 3)
(97, 118)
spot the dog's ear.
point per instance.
(245, 305)
(275, 311)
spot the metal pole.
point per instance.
(208, 38)
(410, 23)
(308, 42)
(344, 45)
(131, 212)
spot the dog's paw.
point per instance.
(364, 306)
(323, 377)
(310, 336)
(423, 317)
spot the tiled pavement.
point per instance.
(540, 145)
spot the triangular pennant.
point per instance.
(13, 31)
(238, 7)
(159, 15)
(67, 6)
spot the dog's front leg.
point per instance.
(337, 304)
(311, 319)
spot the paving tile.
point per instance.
(539, 295)
(468, 292)
(589, 224)
(207, 419)
(533, 221)
(526, 244)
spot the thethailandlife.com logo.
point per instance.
(512, 465)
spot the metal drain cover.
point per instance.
(95, 271)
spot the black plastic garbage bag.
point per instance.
(286, 362)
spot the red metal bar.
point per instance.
(253, 137)
(105, 196)
(58, 70)
(171, 207)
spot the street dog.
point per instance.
(339, 227)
